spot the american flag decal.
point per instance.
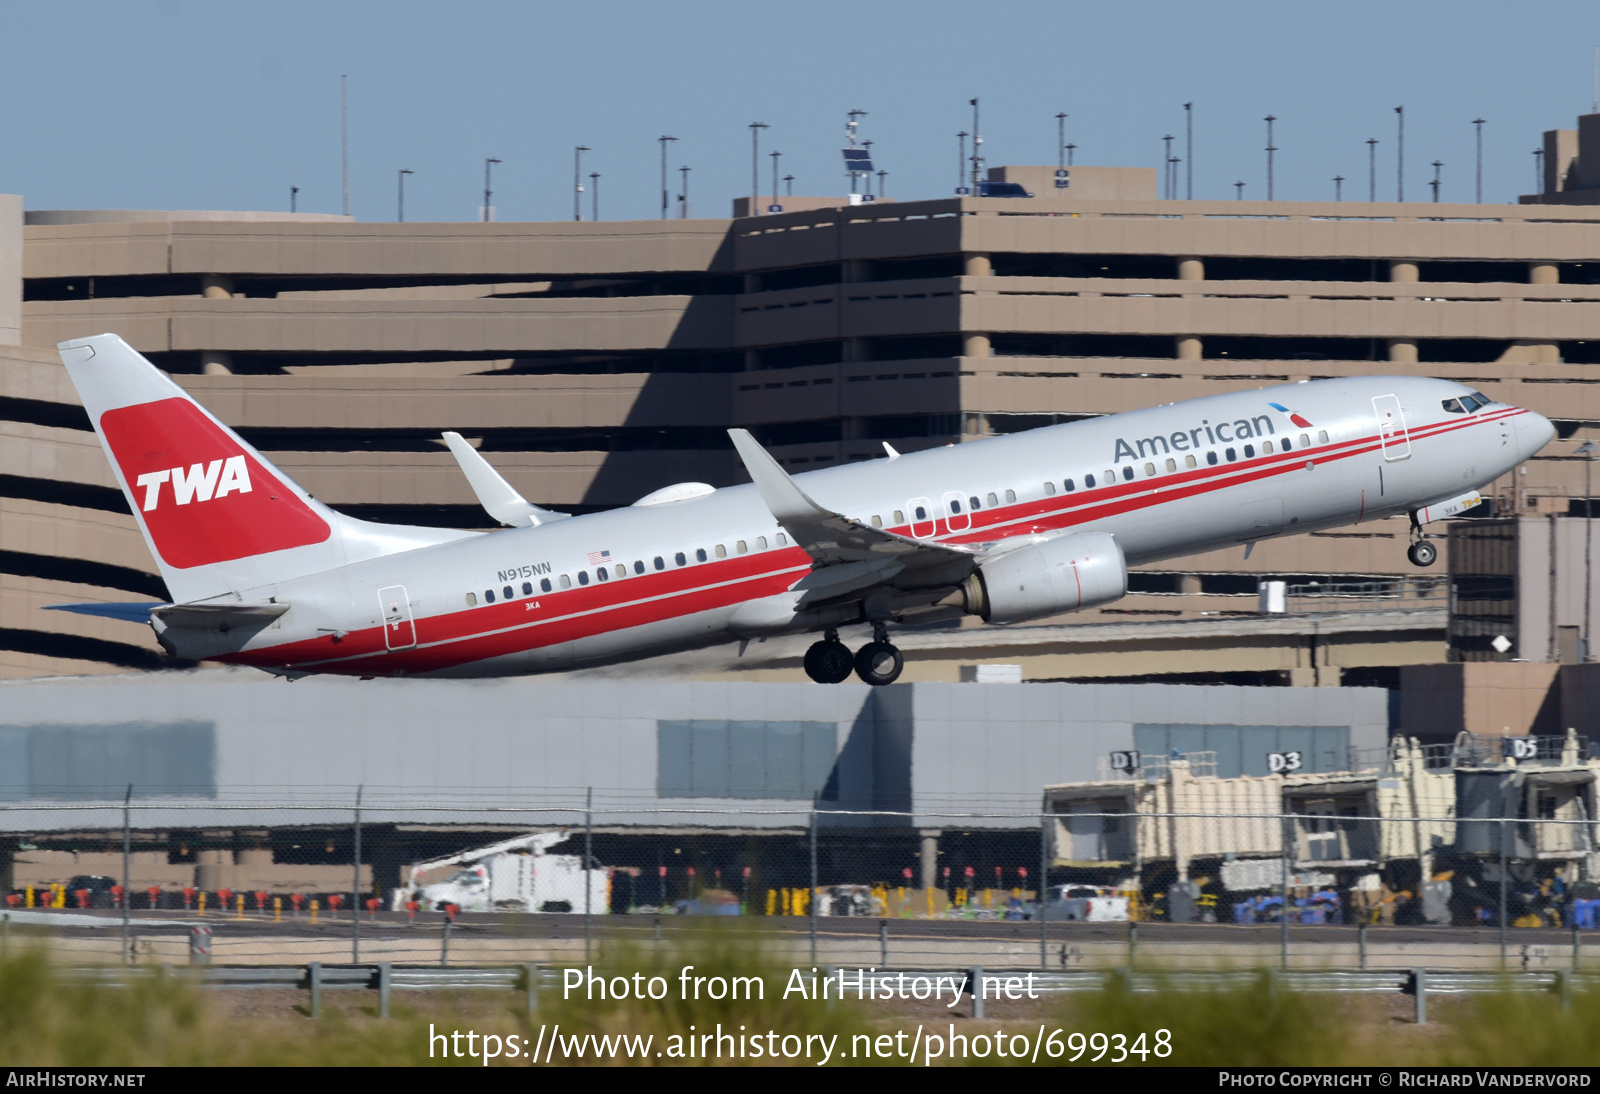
(598, 558)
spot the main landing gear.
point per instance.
(879, 662)
(1422, 552)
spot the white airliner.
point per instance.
(1009, 529)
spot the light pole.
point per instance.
(664, 142)
(776, 156)
(1587, 450)
(961, 161)
(755, 165)
(577, 181)
(1400, 154)
(294, 191)
(850, 128)
(1238, 189)
(883, 189)
(977, 146)
(1435, 183)
(1478, 192)
(404, 171)
(594, 195)
(1372, 168)
(1061, 140)
(683, 198)
(788, 186)
(487, 193)
(1338, 188)
(1271, 148)
(867, 147)
(1188, 151)
(1166, 174)
(1070, 149)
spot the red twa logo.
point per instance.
(202, 499)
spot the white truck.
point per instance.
(516, 875)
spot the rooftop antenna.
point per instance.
(683, 198)
(344, 137)
(1435, 184)
(1061, 140)
(664, 141)
(1271, 148)
(867, 147)
(1478, 122)
(853, 157)
(1372, 168)
(1400, 154)
(961, 162)
(1167, 177)
(1538, 170)
(577, 181)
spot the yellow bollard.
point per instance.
(241, 908)
(930, 902)
(772, 901)
(61, 895)
(277, 908)
(313, 911)
(202, 902)
(30, 897)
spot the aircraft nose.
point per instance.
(1534, 431)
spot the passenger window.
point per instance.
(1067, 483)
(1149, 470)
(566, 582)
(1266, 448)
(1232, 455)
(1088, 482)
(1111, 476)
(1249, 451)
(638, 566)
(602, 574)
(1211, 458)
(1322, 436)
(527, 588)
(877, 521)
(955, 505)
(1305, 440)
(472, 600)
(508, 592)
(761, 543)
(1190, 461)
(922, 514)
(660, 563)
(1172, 465)
(544, 584)
(622, 571)
(1285, 445)
(1127, 474)
(1011, 497)
(699, 554)
(583, 577)
(1049, 488)
(973, 501)
(993, 501)
(722, 552)
(783, 540)
(488, 596)
(899, 517)
(742, 547)
(680, 559)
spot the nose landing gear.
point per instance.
(1421, 552)
(879, 662)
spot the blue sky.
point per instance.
(178, 104)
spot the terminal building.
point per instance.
(596, 362)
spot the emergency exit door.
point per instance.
(399, 632)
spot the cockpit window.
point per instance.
(1453, 406)
(1483, 400)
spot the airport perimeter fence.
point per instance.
(567, 882)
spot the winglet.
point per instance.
(889, 450)
(786, 500)
(497, 496)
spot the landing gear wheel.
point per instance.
(879, 663)
(829, 662)
(1422, 553)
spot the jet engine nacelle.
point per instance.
(1064, 574)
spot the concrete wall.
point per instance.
(1487, 698)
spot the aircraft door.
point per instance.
(399, 631)
(924, 521)
(1392, 432)
(956, 517)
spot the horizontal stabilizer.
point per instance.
(132, 613)
(220, 616)
(497, 496)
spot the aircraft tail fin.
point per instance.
(216, 514)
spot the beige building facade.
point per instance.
(596, 362)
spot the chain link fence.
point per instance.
(1091, 883)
